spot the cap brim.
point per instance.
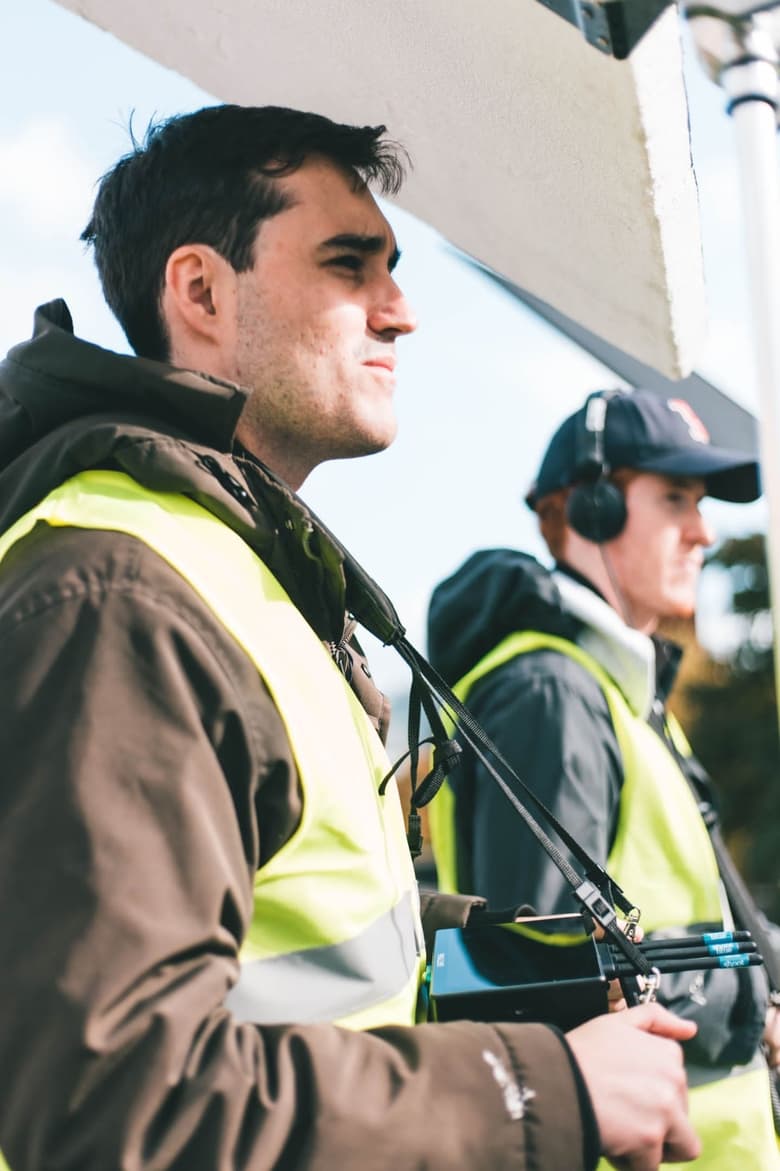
(728, 474)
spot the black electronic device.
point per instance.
(595, 508)
(551, 969)
(545, 969)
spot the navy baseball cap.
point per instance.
(645, 431)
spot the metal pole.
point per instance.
(756, 132)
(743, 57)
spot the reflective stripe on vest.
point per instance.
(350, 975)
(663, 859)
(337, 904)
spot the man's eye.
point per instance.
(350, 260)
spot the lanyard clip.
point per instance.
(651, 984)
(632, 923)
(595, 904)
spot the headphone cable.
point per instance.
(622, 600)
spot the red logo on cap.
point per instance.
(696, 428)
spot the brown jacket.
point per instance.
(146, 776)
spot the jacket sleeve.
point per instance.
(145, 775)
(550, 719)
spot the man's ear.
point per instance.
(198, 295)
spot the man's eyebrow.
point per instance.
(368, 245)
(690, 483)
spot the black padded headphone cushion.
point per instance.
(597, 511)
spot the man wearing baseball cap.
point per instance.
(565, 671)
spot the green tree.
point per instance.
(733, 723)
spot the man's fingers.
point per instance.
(637, 1086)
(686, 1148)
(772, 1036)
(646, 1161)
(599, 933)
(653, 1018)
(682, 1143)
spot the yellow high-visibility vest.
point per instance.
(335, 934)
(663, 859)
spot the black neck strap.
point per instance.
(597, 893)
(595, 890)
(746, 914)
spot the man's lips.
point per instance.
(688, 567)
(386, 362)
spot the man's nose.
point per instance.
(702, 532)
(392, 313)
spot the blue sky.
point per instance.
(482, 384)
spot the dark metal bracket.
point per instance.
(612, 26)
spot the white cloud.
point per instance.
(45, 176)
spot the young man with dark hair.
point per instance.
(212, 937)
(567, 674)
(214, 179)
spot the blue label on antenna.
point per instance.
(718, 936)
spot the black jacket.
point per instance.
(549, 717)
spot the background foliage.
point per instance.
(728, 708)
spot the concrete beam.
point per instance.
(564, 169)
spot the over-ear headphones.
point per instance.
(595, 508)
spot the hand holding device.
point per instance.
(637, 1086)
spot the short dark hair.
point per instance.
(208, 178)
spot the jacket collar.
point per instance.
(67, 406)
(56, 377)
(625, 654)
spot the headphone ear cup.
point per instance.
(597, 511)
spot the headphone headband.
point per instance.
(590, 455)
